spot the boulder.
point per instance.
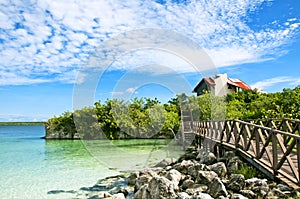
(236, 182)
(276, 193)
(143, 192)
(161, 188)
(182, 167)
(132, 178)
(197, 188)
(174, 176)
(193, 170)
(202, 196)
(258, 186)
(234, 164)
(142, 180)
(219, 168)
(283, 187)
(207, 158)
(188, 183)
(217, 188)
(183, 195)
(206, 177)
(166, 162)
(248, 193)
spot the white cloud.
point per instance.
(52, 36)
(272, 81)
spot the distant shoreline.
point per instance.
(21, 123)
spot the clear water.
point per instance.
(30, 166)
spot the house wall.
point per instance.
(221, 87)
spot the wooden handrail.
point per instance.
(275, 150)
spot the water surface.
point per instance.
(30, 166)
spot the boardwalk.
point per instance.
(272, 146)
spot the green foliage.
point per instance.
(145, 117)
(249, 172)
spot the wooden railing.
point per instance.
(271, 145)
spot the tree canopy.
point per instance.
(148, 118)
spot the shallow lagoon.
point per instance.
(30, 166)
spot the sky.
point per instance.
(51, 50)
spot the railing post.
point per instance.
(298, 158)
(275, 152)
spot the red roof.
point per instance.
(232, 81)
(210, 81)
(238, 83)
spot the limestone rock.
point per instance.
(202, 196)
(206, 177)
(197, 188)
(276, 193)
(217, 188)
(132, 178)
(182, 167)
(248, 193)
(193, 170)
(161, 188)
(238, 196)
(188, 183)
(208, 159)
(183, 195)
(166, 162)
(236, 182)
(219, 168)
(142, 193)
(234, 164)
(174, 176)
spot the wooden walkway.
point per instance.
(271, 145)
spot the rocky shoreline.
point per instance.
(193, 176)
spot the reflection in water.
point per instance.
(132, 154)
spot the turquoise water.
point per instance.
(30, 166)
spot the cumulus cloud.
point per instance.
(47, 40)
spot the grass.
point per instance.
(249, 172)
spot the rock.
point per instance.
(188, 183)
(132, 178)
(219, 168)
(236, 182)
(217, 188)
(118, 196)
(182, 167)
(248, 193)
(193, 170)
(276, 193)
(142, 180)
(196, 188)
(107, 195)
(124, 191)
(202, 196)
(234, 164)
(258, 186)
(143, 193)
(161, 188)
(238, 196)
(208, 159)
(183, 195)
(283, 187)
(174, 176)
(166, 162)
(206, 177)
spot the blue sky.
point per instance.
(44, 44)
